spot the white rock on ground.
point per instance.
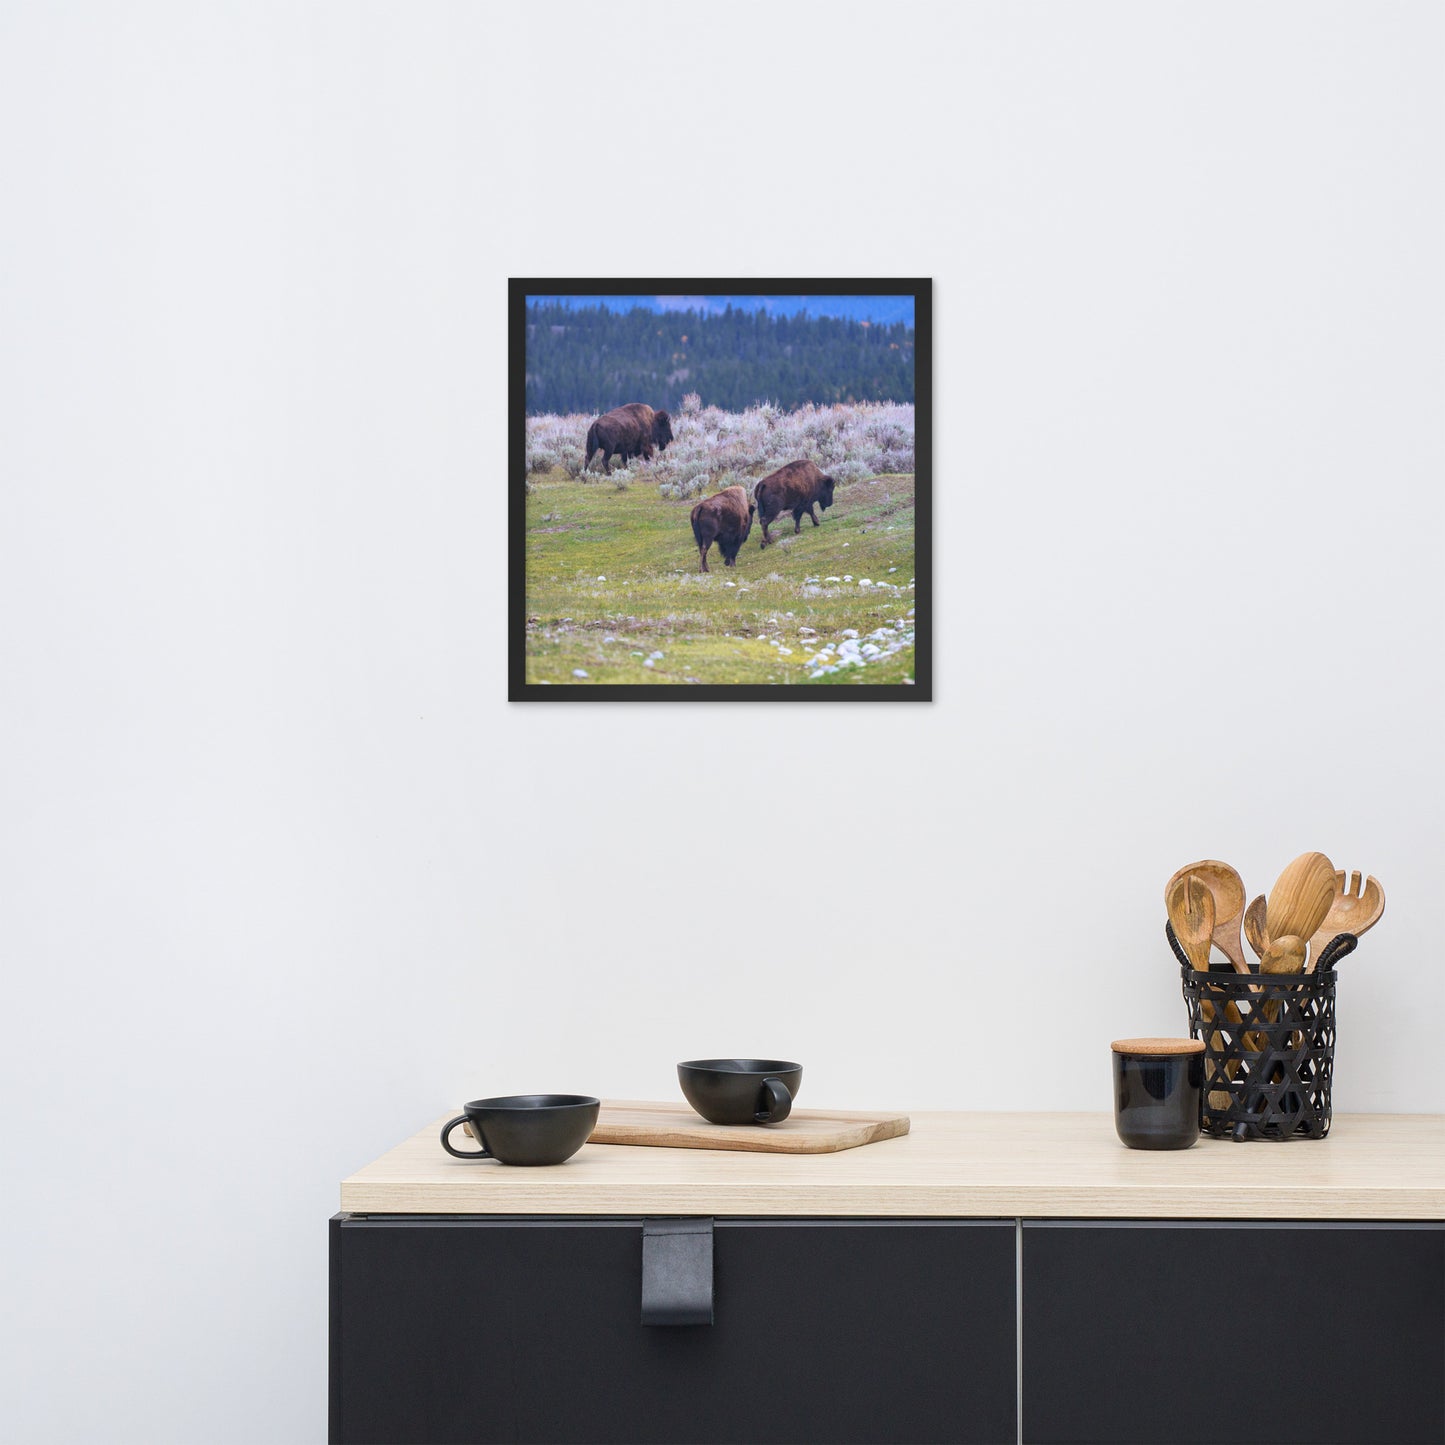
(579, 672)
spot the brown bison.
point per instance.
(726, 519)
(631, 431)
(797, 488)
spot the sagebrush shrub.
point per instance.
(845, 473)
(713, 449)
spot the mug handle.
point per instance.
(447, 1143)
(779, 1102)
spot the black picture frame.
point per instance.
(519, 689)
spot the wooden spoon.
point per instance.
(1228, 890)
(1191, 911)
(1301, 897)
(1284, 955)
(1281, 955)
(1354, 909)
(1256, 927)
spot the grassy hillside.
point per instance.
(614, 590)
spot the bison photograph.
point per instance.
(798, 487)
(634, 430)
(758, 408)
(725, 519)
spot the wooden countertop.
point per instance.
(1372, 1166)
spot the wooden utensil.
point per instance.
(1353, 909)
(1301, 897)
(1228, 890)
(1191, 910)
(1256, 928)
(1283, 955)
(1191, 914)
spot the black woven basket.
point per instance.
(1269, 1047)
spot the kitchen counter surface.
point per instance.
(1372, 1166)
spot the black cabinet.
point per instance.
(471, 1329)
(477, 1329)
(1252, 1332)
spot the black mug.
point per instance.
(741, 1091)
(1158, 1089)
(526, 1128)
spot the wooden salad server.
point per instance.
(1228, 890)
(1355, 908)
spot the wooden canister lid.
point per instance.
(1158, 1048)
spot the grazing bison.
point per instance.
(631, 431)
(797, 488)
(726, 519)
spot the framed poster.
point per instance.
(721, 489)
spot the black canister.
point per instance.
(1158, 1084)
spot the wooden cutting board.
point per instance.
(804, 1131)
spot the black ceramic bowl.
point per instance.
(1158, 1084)
(741, 1091)
(526, 1128)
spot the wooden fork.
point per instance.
(1355, 908)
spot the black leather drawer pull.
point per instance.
(677, 1272)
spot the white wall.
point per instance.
(284, 874)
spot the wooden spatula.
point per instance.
(1256, 927)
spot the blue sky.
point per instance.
(858, 308)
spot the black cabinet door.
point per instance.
(1328, 1334)
(473, 1329)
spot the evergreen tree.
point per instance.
(590, 358)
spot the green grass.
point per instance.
(655, 599)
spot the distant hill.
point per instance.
(853, 308)
(590, 358)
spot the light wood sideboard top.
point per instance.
(1372, 1166)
